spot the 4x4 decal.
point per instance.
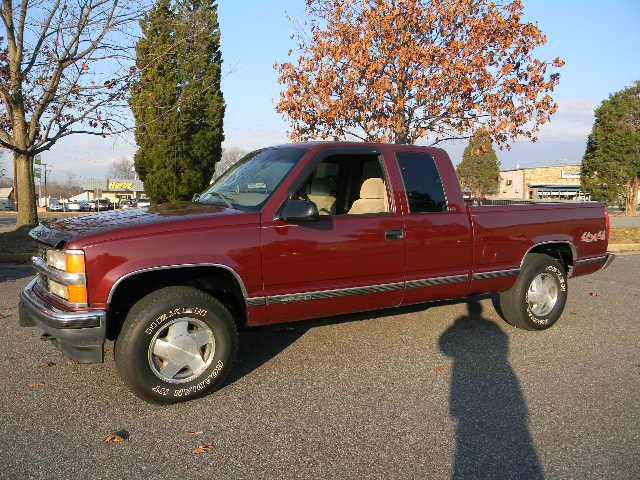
(589, 237)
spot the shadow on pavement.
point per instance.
(492, 435)
(260, 344)
(15, 272)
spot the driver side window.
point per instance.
(348, 185)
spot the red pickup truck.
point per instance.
(290, 233)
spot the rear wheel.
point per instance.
(537, 299)
(176, 343)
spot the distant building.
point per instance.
(560, 182)
(115, 189)
(7, 200)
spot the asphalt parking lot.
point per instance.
(425, 392)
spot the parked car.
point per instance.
(72, 206)
(100, 205)
(127, 203)
(103, 204)
(292, 233)
(143, 202)
(55, 205)
(85, 206)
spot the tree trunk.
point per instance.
(27, 213)
(631, 200)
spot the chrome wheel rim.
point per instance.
(542, 295)
(181, 350)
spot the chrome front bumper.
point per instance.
(78, 334)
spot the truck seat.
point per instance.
(373, 198)
(320, 194)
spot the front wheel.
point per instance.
(176, 343)
(537, 299)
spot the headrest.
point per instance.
(372, 188)
(320, 186)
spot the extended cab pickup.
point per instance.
(291, 233)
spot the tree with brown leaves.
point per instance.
(402, 70)
(64, 70)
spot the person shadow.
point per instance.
(492, 433)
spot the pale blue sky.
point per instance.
(600, 42)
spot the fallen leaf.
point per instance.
(204, 448)
(195, 433)
(594, 294)
(48, 365)
(71, 361)
(115, 437)
(36, 385)
(436, 371)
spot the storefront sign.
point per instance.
(120, 185)
(570, 174)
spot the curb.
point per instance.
(624, 247)
(16, 257)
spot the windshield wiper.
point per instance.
(222, 197)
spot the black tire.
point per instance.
(154, 314)
(513, 304)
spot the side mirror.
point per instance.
(298, 210)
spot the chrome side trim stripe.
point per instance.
(386, 287)
(431, 282)
(342, 292)
(591, 261)
(256, 301)
(496, 274)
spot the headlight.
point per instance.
(57, 259)
(66, 277)
(69, 261)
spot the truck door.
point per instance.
(438, 232)
(351, 258)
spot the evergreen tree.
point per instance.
(611, 163)
(178, 104)
(479, 170)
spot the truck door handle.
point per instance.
(394, 235)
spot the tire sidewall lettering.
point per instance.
(200, 384)
(196, 312)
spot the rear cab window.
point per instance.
(423, 185)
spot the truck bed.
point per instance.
(505, 230)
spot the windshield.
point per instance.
(251, 181)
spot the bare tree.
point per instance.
(68, 187)
(122, 168)
(229, 157)
(65, 68)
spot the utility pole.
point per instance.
(43, 169)
(15, 183)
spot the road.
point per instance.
(625, 222)
(7, 222)
(423, 392)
